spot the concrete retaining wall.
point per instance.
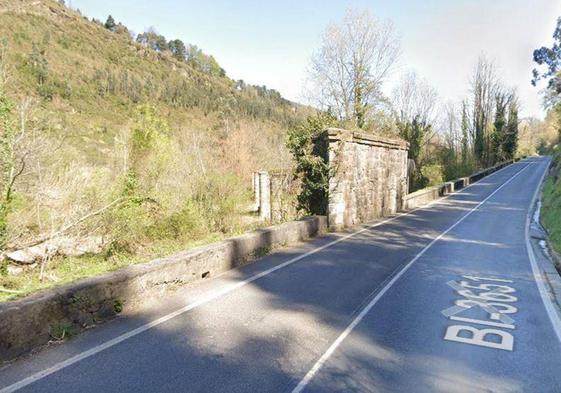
(368, 176)
(29, 322)
(426, 195)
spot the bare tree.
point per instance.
(414, 104)
(485, 86)
(414, 98)
(450, 129)
(348, 71)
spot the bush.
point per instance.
(128, 226)
(184, 224)
(551, 208)
(433, 174)
(312, 167)
(221, 199)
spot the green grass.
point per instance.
(60, 271)
(551, 205)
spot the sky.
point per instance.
(271, 42)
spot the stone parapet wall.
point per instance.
(29, 322)
(368, 176)
(426, 195)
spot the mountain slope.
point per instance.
(161, 150)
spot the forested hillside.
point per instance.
(129, 145)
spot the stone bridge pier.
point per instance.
(368, 176)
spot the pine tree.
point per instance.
(110, 24)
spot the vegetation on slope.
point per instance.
(155, 146)
(549, 69)
(551, 204)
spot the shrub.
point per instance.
(221, 199)
(433, 174)
(186, 223)
(311, 167)
(551, 209)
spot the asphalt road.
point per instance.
(443, 299)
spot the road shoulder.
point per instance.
(540, 250)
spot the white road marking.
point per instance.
(482, 322)
(321, 361)
(475, 301)
(478, 337)
(538, 278)
(125, 336)
(495, 294)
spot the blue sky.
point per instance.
(270, 42)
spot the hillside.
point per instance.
(156, 152)
(93, 77)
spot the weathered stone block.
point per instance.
(368, 176)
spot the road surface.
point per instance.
(442, 299)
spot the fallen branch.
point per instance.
(10, 291)
(71, 225)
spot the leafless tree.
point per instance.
(450, 126)
(348, 71)
(414, 98)
(485, 85)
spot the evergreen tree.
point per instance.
(414, 132)
(110, 24)
(465, 130)
(178, 49)
(511, 137)
(499, 133)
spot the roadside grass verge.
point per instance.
(551, 204)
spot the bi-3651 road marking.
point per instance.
(491, 295)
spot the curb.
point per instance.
(539, 247)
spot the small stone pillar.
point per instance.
(256, 191)
(264, 196)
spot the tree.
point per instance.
(415, 133)
(484, 87)
(110, 24)
(347, 73)
(499, 132)
(178, 50)
(551, 58)
(153, 40)
(465, 135)
(7, 137)
(413, 98)
(511, 139)
(414, 103)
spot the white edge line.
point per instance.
(327, 354)
(125, 336)
(538, 276)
